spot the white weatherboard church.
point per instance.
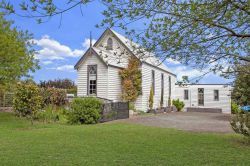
(98, 75)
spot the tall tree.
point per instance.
(16, 54)
(241, 91)
(206, 34)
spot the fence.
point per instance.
(6, 99)
(115, 110)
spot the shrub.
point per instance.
(54, 96)
(151, 98)
(235, 108)
(27, 100)
(131, 80)
(51, 114)
(178, 104)
(241, 124)
(84, 111)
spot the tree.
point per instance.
(131, 80)
(206, 34)
(241, 91)
(211, 35)
(16, 54)
(58, 83)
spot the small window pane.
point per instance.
(201, 96)
(216, 95)
(185, 94)
(109, 44)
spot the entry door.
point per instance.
(200, 96)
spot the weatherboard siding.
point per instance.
(146, 85)
(223, 103)
(102, 76)
(114, 84)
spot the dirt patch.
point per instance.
(189, 121)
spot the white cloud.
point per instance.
(54, 50)
(86, 43)
(67, 68)
(46, 62)
(172, 61)
(184, 71)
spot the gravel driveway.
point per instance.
(189, 121)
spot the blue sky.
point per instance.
(60, 47)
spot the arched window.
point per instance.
(109, 44)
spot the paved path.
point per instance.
(190, 121)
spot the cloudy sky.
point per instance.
(60, 45)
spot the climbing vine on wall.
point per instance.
(131, 79)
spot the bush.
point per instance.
(27, 100)
(54, 96)
(241, 124)
(235, 108)
(151, 98)
(84, 111)
(178, 104)
(50, 114)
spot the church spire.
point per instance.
(90, 38)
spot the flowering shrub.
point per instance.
(54, 96)
(131, 80)
(241, 124)
(27, 100)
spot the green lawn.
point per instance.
(114, 144)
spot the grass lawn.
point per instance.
(114, 144)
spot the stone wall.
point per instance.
(115, 110)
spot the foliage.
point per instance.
(132, 106)
(27, 100)
(54, 96)
(17, 55)
(58, 83)
(178, 104)
(241, 124)
(205, 34)
(131, 80)
(51, 114)
(84, 110)
(151, 98)
(235, 108)
(241, 90)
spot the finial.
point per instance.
(90, 38)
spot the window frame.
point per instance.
(109, 44)
(186, 95)
(162, 85)
(170, 86)
(89, 81)
(153, 81)
(218, 98)
(199, 95)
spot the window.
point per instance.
(162, 85)
(92, 79)
(109, 44)
(153, 81)
(216, 95)
(169, 84)
(186, 94)
(200, 96)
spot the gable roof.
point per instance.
(109, 57)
